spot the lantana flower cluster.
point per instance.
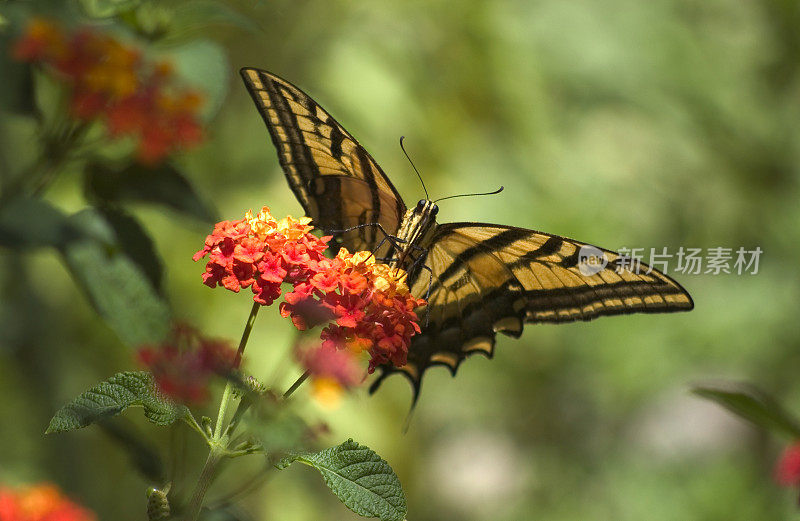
(368, 305)
(184, 364)
(111, 81)
(42, 502)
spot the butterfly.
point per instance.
(478, 279)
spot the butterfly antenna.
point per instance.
(470, 195)
(414, 167)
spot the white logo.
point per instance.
(591, 260)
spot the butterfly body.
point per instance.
(413, 236)
(478, 279)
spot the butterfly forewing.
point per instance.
(335, 179)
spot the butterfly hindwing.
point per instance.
(335, 179)
(488, 278)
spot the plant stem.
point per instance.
(219, 439)
(203, 482)
(246, 333)
(296, 384)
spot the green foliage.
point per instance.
(16, 89)
(118, 288)
(200, 14)
(163, 184)
(31, 223)
(135, 242)
(363, 481)
(109, 398)
(107, 8)
(755, 406)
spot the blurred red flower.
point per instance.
(42, 502)
(332, 372)
(183, 365)
(787, 470)
(112, 82)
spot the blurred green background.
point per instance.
(621, 123)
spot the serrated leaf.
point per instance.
(753, 405)
(164, 185)
(364, 482)
(118, 289)
(109, 398)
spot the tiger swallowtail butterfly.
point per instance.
(479, 279)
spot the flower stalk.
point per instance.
(219, 440)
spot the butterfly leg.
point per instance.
(386, 234)
(393, 239)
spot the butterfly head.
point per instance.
(418, 222)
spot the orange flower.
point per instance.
(367, 304)
(110, 81)
(42, 502)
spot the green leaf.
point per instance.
(164, 185)
(29, 223)
(136, 244)
(363, 481)
(107, 8)
(109, 398)
(753, 405)
(16, 89)
(200, 14)
(117, 287)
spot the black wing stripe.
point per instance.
(369, 176)
(501, 240)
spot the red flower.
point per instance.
(109, 80)
(42, 502)
(183, 365)
(787, 470)
(271, 268)
(369, 304)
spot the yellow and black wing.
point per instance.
(487, 278)
(335, 179)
